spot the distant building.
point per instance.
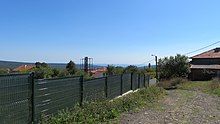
(205, 66)
(23, 68)
(98, 72)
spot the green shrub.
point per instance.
(171, 84)
(215, 84)
(173, 66)
(106, 111)
(210, 87)
(3, 71)
(216, 92)
(151, 72)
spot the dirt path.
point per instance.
(179, 107)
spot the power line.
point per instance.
(145, 62)
(202, 48)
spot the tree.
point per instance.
(63, 73)
(39, 64)
(171, 67)
(110, 70)
(43, 64)
(71, 67)
(151, 72)
(42, 70)
(84, 74)
(56, 72)
(3, 71)
(118, 70)
(131, 69)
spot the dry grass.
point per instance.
(171, 84)
(211, 87)
(105, 111)
(215, 84)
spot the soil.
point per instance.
(179, 107)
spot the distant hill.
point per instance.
(12, 65)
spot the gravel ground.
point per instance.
(179, 107)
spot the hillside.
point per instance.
(12, 65)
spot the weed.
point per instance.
(210, 87)
(215, 86)
(106, 111)
(171, 84)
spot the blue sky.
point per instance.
(110, 31)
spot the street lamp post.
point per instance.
(156, 66)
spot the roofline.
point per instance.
(202, 53)
(205, 58)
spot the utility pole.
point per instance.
(156, 66)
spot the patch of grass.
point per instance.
(216, 91)
(107, 111)
(211, 87)
(172, 83)
(194, 85)
(215, 86)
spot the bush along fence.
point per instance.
(24, 100)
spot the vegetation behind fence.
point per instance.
(24, 99)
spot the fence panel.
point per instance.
(52, 95)
(142, 81)
(147, 80)
(94, 89)
(15, 99)
(114, 86)
(135, 81)
(126, 82)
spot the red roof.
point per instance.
(104, 69)
(24, 68)
(98, 72)
(214, 53)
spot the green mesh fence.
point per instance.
(135, 79)
(15, 99)
(126, 82)
(52, 95)
(114, 86)
(142, 81)
(24, 100)
(94, 89)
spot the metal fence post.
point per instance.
(32, 105)
(131, 81)
(106, 87)
(144, 80)
(81, 90)
(139, 80)
(121, 92)
(148, 80)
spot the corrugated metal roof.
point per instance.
(214, 53)
(205, 67)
